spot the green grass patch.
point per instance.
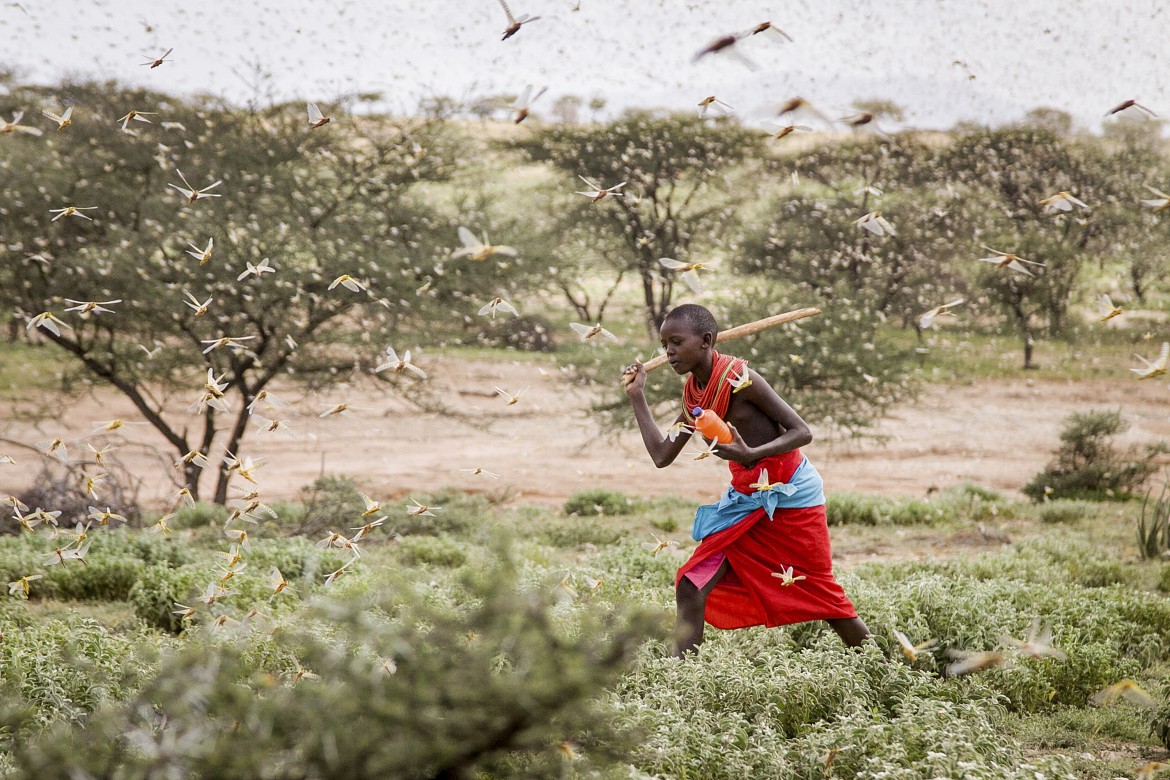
(845, 508)
(774, 703)
(599, 501)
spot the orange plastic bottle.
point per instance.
(710, 425)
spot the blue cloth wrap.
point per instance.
(806, 489)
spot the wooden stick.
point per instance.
(746, 329)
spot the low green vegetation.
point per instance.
(1089, 466)
(522, 641)
(968, 502)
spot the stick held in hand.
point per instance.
(746, 329)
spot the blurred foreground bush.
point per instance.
(391, 686)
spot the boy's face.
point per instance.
(685, 349)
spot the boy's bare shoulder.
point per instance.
(759, 386)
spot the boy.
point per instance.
(764, 556)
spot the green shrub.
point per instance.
(752, 705)
(151, 548)
(21, 555)
(631, 573)
(161, 587)
(576, 530)
(298, 559)
(101, 578)
(1068, 727)
(63, 669)
(598, 501)
(1035, 561)
(488, 689)
(433, 550)
(1087, 466)
(115, 562)
(667, 524)
(844, 508)
(1108, 633)
(1164, 579)
(330, 503)
(1064, 510)
(289, 514)
(201, 515)
(455, 513)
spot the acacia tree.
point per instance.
(810, 237)
(1138, 160)
(313, 204)
(1008, 173)
(678, 198)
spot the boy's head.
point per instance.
(688, 334)
(698, 318)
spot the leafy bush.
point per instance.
(331, 503)
(973, 491)
(1108, 632)
(1064, 511)
(1038, 561)
(631, 572)
(161, 586)
(116, 561)
(455, 513)
(201, 515)
(1088, 467)
(433, 550)
(151, 548)
(577, 530)
(667, 524)
(844, 508)
(1067, 727)
(598, 501)
(63, 669)
(493, 688)
(298, 559)
(753, 705)
(101, 578)
(21, 555)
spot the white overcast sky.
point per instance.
(1077, 55)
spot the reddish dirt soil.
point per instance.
(994, 433)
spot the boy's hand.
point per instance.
(737, 450)
(634, 378)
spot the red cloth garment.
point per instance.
(716, 395)
(757, 547)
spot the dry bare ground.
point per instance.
(994, 433)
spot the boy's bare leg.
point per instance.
(851, 630)
(691, 601)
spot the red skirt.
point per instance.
(756, 547)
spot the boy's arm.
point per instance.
(662, 450)
(794, 431)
